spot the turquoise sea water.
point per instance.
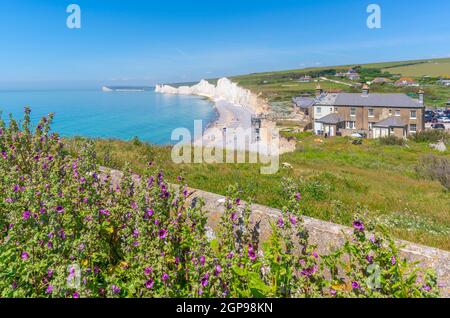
(148, 115)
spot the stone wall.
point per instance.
(327, 235)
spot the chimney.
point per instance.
(421, 96)
(365, 90)
(319, 90)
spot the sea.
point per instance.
(147, 115)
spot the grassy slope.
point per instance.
(281, 86)
(378, 180)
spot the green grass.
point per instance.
(281, 86)
(337, 179)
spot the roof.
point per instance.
(390, 122)
(326, 100)
(304, 102)
(331, 119)
(377, 100)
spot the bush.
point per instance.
(434, 135)
(435, 168)
(71, 230)
(391, 141)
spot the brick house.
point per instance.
(368, 114)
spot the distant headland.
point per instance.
(126, 88)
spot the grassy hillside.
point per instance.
(336, 178)
(281, 86)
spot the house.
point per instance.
(340, 74)
(371, 115)
(444, 81)
(305, 79)
(381, 80)
(304, 104)
(405, 82)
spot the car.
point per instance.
(438, 126)
(446, 120)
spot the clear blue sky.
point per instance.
(145, 42)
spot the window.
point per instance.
(331, 109)
(397, 113)
(392, 130)
(413, 128)
(413, 114)
(319, 110)
(371, 125)
(370, 112)
(336, 109)
(353, 111)
(390, 112)
(351, 125)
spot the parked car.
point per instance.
(446, 120)
(438, 126)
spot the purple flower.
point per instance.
(49, 289)
(315, 254)
(369, 258)
(16, 188)
(25, 255)
(238, 201)
(426, 288)
(150, 212)
(293, 219)
(149, 284)
(105, 212)
(298, 196)
(162, 234)
(50, 273)
(165, 277)
(280, 222)
(50, 244)
(358, 225)
(233, 216)
(355, 285)
(205, 280)
(148, 271)
(115, 289)
(202, 260)
(393, 260)
(76, 295)
(217, 270)
(251, 252)
(59, 209)
(26, 215)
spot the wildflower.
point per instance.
(165, 277)
(148, 271)
(162, 234)
(105, 212)
(202, 260)
(217, 270)
(134, 206)
(315, 254)
(76, 295)
(358, 225)
(26, 215)
(149, 284)
(49, 289)
(135, 233)
(355, 285)
(59, 209)
(149, 212)
(426, 288)
(233, 216)
(369, 258)
(205, 280)
(298, 196)
(293, 219)
(50, 244)
(25, 255)
(251, 252)
(393, 260)
(50, 273)
(115, 289)
(280, 222)
(238, 201)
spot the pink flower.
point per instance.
(162, 234)
(25, 255)
(149, 284)
(26, 215)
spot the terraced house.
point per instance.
(368, 114)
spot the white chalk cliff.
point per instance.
(225, 89)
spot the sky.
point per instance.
(138, 42)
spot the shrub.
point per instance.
(434, 135)
(69, 229)
(391, 141)
(434, 168)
